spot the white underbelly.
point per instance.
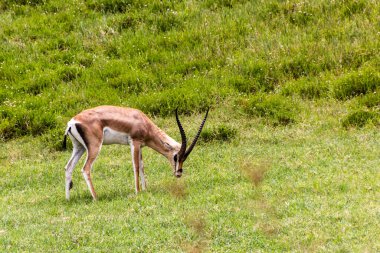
(111, 136)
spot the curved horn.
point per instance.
(188, 151)
(183, 137)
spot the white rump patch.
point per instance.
(111, 136)
(74, 132)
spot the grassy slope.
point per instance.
(62, 57)
(320, 186)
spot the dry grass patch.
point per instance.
(255, 172)
(177, 189)
(197, 223)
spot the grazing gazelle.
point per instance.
(116, 125)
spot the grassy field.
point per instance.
(288, 160)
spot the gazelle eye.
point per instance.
(175, 157)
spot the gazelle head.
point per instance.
(180, 156)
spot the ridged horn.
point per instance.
(188, 151)
(181, 152)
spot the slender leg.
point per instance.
(142, 175)
(135, 151)
(78, 151)
(92, 153)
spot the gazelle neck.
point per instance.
(163, 144)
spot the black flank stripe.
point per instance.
(81, 133)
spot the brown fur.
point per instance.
(128, 120)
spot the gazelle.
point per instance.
(92, 128)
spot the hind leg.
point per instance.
(92, 153)
(78, 151)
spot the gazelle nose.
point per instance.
(178, 173)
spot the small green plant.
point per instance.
(131, 82)
(70, 73)
(3, 95)
(254, 76)
(371, 100)
(167, 22)
(277, 109)
(109, 6)
(36, 84)
(352, 7)
(214, 5)
(6, 129)
(127, 22)
(299, 14)
(53, 139)
(220, 133)
(356, 83)
(360, 119)
(306, 88)
(299, 66)
(191, 67)
(6, 4)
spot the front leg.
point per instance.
(142, 175)
(135, 152)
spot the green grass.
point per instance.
(309, 187)
(288, 161)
